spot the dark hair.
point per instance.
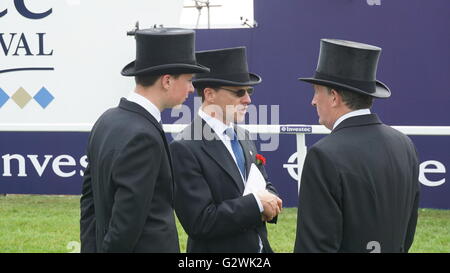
(354, 100)
(149, 80)
(201, 90)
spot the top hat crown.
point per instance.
(164, 51)
(228, 67)
(349, 66)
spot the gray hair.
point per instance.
(353, 100)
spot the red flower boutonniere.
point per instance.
(260, 159)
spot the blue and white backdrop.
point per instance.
(60, 65)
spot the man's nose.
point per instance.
(313, 101)
(246, 99)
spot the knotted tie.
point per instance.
(237, 150)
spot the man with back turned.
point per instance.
(359, 188)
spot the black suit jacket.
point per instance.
(359, 190)
(127, 195)
(209, 201)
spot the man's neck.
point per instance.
(207, 109)
(152, 95)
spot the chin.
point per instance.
(239, 118)
(321, 122)
(328, 126)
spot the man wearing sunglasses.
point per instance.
(212, 159)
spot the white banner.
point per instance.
(60, 60)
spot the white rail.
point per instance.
(175, 128)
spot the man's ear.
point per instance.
(166, 81)
(335, 97)
(209, 94)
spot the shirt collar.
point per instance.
(218, 126)
(146, 104)
(355, 113)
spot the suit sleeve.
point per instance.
(319, 219)
(412, 223)
(411, 229)
(269, 186)
(87, 215)
(134, 175)
(198, 212)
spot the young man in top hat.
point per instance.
(211, 163)
(127, 194)
(359, 188)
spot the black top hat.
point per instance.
(164, 51)
(349, 66)
(228, 67)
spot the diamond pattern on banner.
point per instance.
(21, 97)
(43, 97)
(3, 97)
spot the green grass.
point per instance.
(432, 232)
(36, 223)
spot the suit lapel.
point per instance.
(216, 150)
(134, 107)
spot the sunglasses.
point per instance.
(241, 92)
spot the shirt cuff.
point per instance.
(261, 208)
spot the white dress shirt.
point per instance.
(146, 104)
(219, 128)
(355, 113)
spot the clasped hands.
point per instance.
(271, 203)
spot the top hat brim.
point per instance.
(253, 80)
(381, 90)
(181, 68)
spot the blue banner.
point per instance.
(415, 64)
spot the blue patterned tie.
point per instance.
(237, 150)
